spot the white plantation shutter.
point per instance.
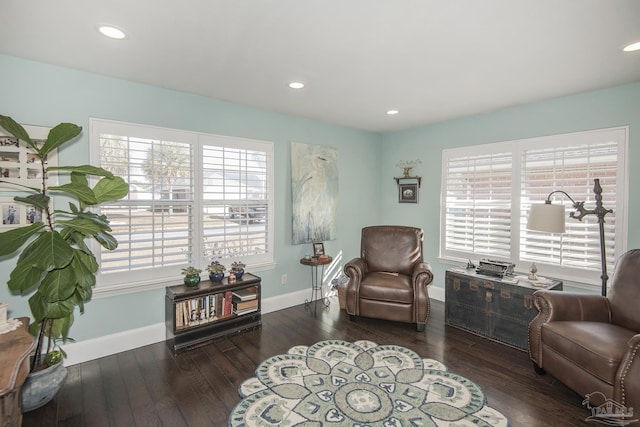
(152, 224)
(571, 169)
(478, 205)
(236, 185)
(193, 198)
(487, 192)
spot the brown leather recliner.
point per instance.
(389, 280)
(591, 343)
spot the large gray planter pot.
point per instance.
(42, 386)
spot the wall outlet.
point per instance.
(284, 279)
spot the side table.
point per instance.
(15, 347)
(316, 279)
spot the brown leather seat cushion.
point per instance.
(596, 347)
(387, 287)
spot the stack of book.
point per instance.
(245, 301)
(204, 309)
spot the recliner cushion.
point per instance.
(596, 347)
(391, 248)
(390, 287)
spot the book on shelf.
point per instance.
(246, 294)
(243, 305)
(179, 316)
(212, 307)
(219, 305)
(198, 311)
(246, 311)
(227, 308)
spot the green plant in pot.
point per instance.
(55, 264)
(191, 276)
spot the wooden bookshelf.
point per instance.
(196, 315)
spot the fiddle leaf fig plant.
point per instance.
(55, 263)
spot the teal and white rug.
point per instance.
(339, 383)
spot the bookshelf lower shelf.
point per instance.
(195, 316)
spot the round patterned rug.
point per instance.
(339, 383)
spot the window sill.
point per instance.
(107, 291)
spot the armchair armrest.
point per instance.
(628, 376)
(355, 269)
(422, 278)
(558, 306)
(422, 275)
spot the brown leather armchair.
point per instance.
(591, 343)
(389, 280)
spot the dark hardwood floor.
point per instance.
(149, 386)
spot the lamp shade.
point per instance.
(546, 217)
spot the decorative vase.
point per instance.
(216, 277)
(192, 280)
(42, 386)
(238, 272)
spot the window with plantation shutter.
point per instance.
(478, 205)
(193, 198)
(487, 192)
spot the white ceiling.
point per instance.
(431, 59)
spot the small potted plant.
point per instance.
(238, 269)
(216, 271)
(191, 276)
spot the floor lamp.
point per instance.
(551, 219)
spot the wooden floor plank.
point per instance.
(117, 401)
(149, 386)
(71, 414)
(94, 407)
(140, 401)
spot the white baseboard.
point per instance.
(106, 345)
(83, 351)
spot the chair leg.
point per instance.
(538, 369)
(420, 327)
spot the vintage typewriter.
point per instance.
(495, 268)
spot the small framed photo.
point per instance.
(318, 249)
(11, 213)
(408, 193)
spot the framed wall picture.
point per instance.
(318, 249)
(408, 193)
(18, 164)
(314, 191)
(11, 213)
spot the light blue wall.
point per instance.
(39, 94)
(618, 106)
(35, 93)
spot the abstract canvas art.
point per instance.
(314, 185)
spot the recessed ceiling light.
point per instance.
(632, 47)
(111, 32)
(392, 112)
(296, 85)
